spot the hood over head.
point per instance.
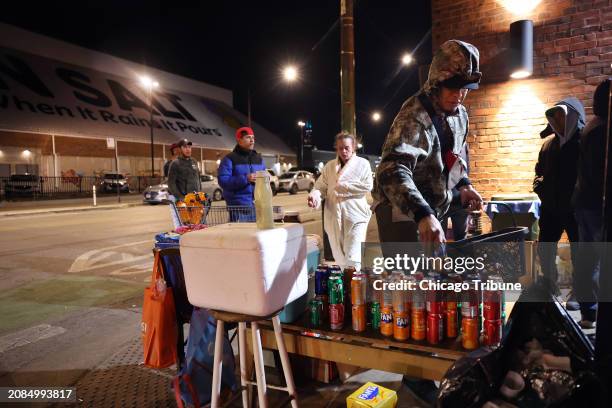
(455, 65)
(571, 112)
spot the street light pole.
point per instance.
(347, 67)
(151, 127)
(301, 124)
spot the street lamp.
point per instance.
(301, 124)
(376, 116)
(407, 59)
(290, 73)
(149, 84)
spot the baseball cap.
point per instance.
(184, 142)
(244, 131)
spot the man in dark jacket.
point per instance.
(237, 174)
(555, 178)
(588, 199)
(184, 174)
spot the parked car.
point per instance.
(313, 170)
(23, 185)
(211, 186)
(294, 181)
(159, 193)
(113, 182)
(273, 181)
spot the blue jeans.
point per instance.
(587, 272)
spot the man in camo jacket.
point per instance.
(423, 155)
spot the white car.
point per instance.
(159, 193)
(273, 181)
(294, 181)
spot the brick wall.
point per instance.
(572, 54)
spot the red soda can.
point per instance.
(435, 328)
(492, 332)
(336, 316)
(452, 329)
(435, 303)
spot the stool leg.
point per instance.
(218, 365)
(259, 366)
(243, 363)
(282, 350)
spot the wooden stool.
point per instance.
(242, 319)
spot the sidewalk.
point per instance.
(34, 207)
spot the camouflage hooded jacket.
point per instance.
(411, 174)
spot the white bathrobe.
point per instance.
(347, 212)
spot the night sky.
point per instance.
(242, 44)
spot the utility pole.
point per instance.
(347, 67)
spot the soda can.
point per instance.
(359, 317)
(470, 309)
(375, 315)
(315, 309)
(491, 310)
(469, 333)
(386, 321)
(451, 305)
(492, 332)
(452, 327)
(401, 325)
(325, 307)
(336, 316)
(435, 328)
(321, 279)
(335, 288)
(358, 290)
(418, 327)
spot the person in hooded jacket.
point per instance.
(555, 177)
(421, 158)
(236, 175)
(588, 201)
(344, 183)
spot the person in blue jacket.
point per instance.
(237, 176)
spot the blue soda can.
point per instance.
(321, 278)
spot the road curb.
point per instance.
(21, 213)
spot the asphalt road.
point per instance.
(71, 287)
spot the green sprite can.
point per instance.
(335, 288)
(315, 308)
(375, 315)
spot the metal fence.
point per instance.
(38, 187)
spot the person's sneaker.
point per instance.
(587, 324)
(571, 303)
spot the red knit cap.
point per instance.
(244, 131)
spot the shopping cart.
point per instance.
(218, 214)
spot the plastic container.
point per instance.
(263, 201)
(238, 268)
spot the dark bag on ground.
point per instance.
(193, 384)
(478, 377)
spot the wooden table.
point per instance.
(367, 349)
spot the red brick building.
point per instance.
(572, 53)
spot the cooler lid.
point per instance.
(243, 236)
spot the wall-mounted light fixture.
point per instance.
(521, 49)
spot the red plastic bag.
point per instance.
(158, 326)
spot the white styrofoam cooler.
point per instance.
(237, 268)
